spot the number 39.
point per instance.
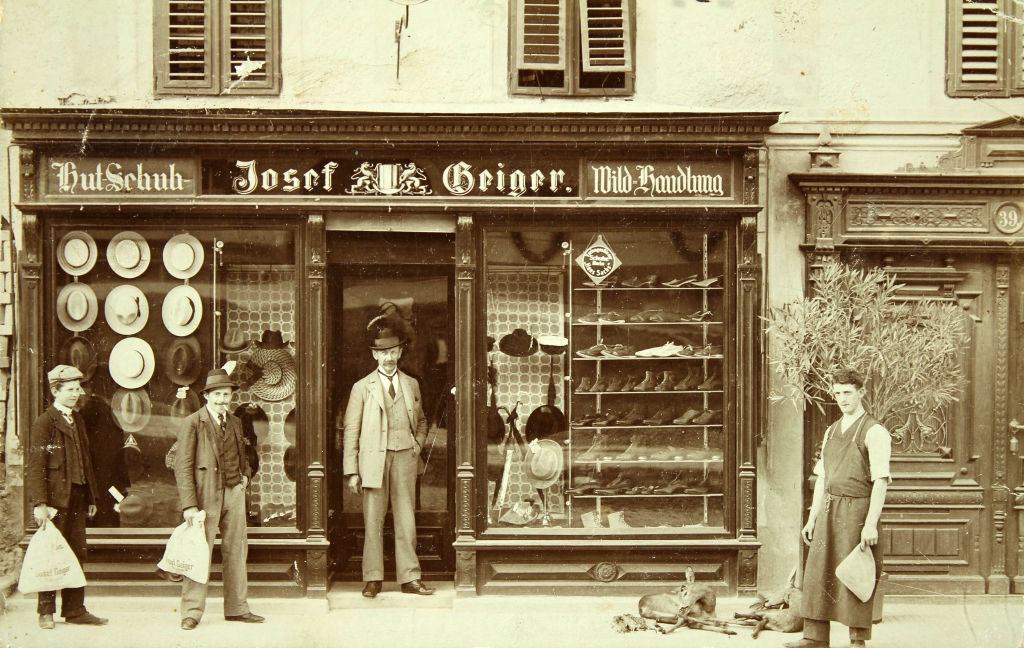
(1009, 219)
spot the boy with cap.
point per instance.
(212, 473)
(60, 475)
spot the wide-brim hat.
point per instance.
(132, 409)
(544, 462)
(81, 354)
(182, 361)
(185, 403)
(234, 341)
(386, 338)
(128, 254)
(136, 510)
(182, 310)
(77, 253)
(277, 374)
(183, 256)
(553, 344)
(77, 306)
(131, 363)
(126, 309)
(272, 339)
(518, 343)
(218, 378)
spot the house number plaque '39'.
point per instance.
(1009, 219)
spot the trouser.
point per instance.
(225, 510)
(398, 486)
(818, 631)
(70, 522)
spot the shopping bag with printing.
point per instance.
(187, 553)
(49, 563)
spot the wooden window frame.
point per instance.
(218, 81)
(573, 58)
(1009, 53)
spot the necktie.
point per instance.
(391, 387)
(223, 422)
(70, 419)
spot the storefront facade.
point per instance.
(169, 243)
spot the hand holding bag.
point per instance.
(49, 564)
(187, 553)
(857, 573)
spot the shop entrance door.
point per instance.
(423, 297)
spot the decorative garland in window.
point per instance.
(554, 247)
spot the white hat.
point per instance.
(126, 309)
(76, 253)
(77, 306)
(132, 409)
(183, 256)
(131, 363)
(128, 254)
(182, 310)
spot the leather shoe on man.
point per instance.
(188, 623)
(86, 618)
(372, 589)
(46, 621)
(248, 617)
(417, 587)
(806, 643)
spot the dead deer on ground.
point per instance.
(691, 605)
(779, 611)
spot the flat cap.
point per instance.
(64, 373)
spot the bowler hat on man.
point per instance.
(219, 378)
(386, 338)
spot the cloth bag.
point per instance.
(50, 564)
(857, 573)
(187, 553)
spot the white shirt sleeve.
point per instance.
(819, 465)
(879, 445)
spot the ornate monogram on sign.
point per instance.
(389, 179)
(936, 217)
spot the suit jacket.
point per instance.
(366, 426)
(46, 476)
(197, 468)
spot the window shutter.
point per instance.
(249, 45)
(185, 45)
(977, 42)
(541, 35)
(606, 35)
(1017, 49)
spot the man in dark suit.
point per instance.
(60, 475)
(212, 473)
(384, 433)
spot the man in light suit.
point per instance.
(384, 433)
(212, 474)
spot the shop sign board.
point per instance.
(598, 261)
(77, 177)
(703, 179)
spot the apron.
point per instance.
(837, 529)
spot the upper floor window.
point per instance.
(572, 47)
(205, 47)
(985, 48)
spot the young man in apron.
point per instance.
(852, 478)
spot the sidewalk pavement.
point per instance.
(527, 621)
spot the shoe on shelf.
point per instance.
(584, 386)
(667, 350)
(633, 417)
(619, 351)
(592, 352)
(610, 318)
(591, 520)
(614, 384)
(594, 452)
(617, 520)
(668, 381)
(599, 386)
(661, 417)
(630, 453)
(708, 417)
(589, 318)
(668, 453)
(648, 383)
(584, 419)
(688, 382)
(711, 383)
(606, 418)
(609, 282)
(676, 283)
(629, 384)
(687, 417)
(698, 316)
(705, 283)
(709, 351)
(637, 282)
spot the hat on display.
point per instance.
(131, 363)
(77, 253)
(275, 366)
(553, 344)
(136, 510)
(126, 309)
(234, 341)
(186, 402)
(182, 310)
(81, 354)
(132, 409)
(544, 462)
(218, 378)
(63, 373)
(183, 256)
(182, 362)
(128, 254)
(272, 339)
(77, 306)
(518, 343)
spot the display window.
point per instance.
(145, 312)
(609, 406)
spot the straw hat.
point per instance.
(182, 362)
(77, 253)
(276, 365)
(126, 309)
(183, 256)
(81, 354)
(544, 462)
(77, 306)
(131, 363)
(128, 254)
(182, 310)
(132, 409)
(553, 344)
